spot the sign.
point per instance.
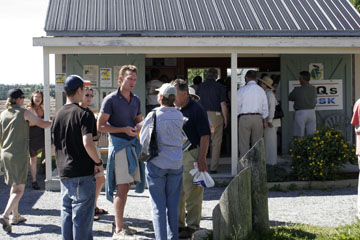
(329, 94)
(91, 73)
(59, 82)
(116, 76)
(316, 71)
(105, 77)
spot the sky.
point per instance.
(20, 21)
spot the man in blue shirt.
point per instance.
(119, 116)
(198, 132)
(213, 99)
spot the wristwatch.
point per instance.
(100, 163)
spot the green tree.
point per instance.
(356, 4)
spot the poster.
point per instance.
(105, 77)
(59, 82)
(116, 76)
(316, 71)
(329, 94)
(91, 73)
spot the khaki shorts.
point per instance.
(121, 169)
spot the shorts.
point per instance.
(121, 169)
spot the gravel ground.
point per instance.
(42, 209)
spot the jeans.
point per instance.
(164, 187)
(78, 204)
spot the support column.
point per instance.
(47, 114)
(58, 69)
(234, 122)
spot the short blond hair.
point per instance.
(125, 68)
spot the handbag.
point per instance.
(278, 111)
(150, 148)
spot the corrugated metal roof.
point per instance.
(202, 18)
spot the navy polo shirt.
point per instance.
(198, 123)
(211, 95)
(122, 113)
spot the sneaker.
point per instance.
(17, 220)
(123, 234)
(126, 227)
(5, 222)
(35, 185)
(187, 233)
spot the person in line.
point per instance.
(272, 124)
(304, 98)
(119, 115)
(14, 143)
(197, 130)
(100, 178)
(252, 112)
(213, 98)
(164, 172)
(36, 135)
(197, 81)
(77, 162)
(355, 121)
(151, 86)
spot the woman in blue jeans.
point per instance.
(164, 172)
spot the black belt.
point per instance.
(243, 114)
(192, 147)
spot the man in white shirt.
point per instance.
(151, 93)
(252, 112)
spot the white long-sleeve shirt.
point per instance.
(251, 98)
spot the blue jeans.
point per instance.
(164, 187)
(78, 204)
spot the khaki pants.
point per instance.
(217, 121)
(251, 129)
(191, 195)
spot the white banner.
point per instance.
(330, 94)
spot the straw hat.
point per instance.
(193, 93)
(267, 81)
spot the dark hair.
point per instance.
(154, 73)
(305, 75)
(197, 80)
(212, 73)
(71, 92)
(32, 103)
(168, 101)
(181, 84)
(251, 74)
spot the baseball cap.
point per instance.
(192, 92)
(166, 90)
(73, 82)
(15, 93)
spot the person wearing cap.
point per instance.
(272, 124)
(304, 98)
(14, 143)
(164, 172)
(120, 116)
(213, 98)
(252, 113)
(77, 161)
(197, 130)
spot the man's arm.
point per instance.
(35, 120)
(204, 145)
(91, 151)
(224, 112)
(103, 126)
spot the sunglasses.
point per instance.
(89, 95)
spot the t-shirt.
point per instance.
(197, 124)
(122, 113)
(304, 97)
(95, 132)
(71, 123)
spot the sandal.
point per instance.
(17, 220)
(5, 222)
(99, 211)
(96, 218)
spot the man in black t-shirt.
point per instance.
(198, 132)
(77, 162)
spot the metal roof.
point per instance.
(202, 18)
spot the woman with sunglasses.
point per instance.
(14, 141)
(100, 178)
(36, 140)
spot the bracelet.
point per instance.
(100, 163)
